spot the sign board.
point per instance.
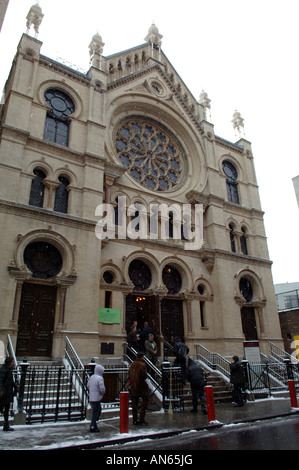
(252, 351)
(109, 315)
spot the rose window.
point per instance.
(152, 153)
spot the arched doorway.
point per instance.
(164, 314)
(36, 320)
(247, 311)
(38, 301)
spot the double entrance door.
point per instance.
(36, 320)
(165, 316)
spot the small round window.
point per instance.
(43, 260)
(108, 277)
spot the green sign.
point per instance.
(109, 315)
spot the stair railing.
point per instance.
(213, 360)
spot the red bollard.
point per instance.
(210, 403)
(293, 396)
(124, 412)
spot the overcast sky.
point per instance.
(243, 53)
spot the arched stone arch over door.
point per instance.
(43, 268)
(249, 295)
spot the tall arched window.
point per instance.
(37, 189)
(62, 195)
(231, 181)
(243, 241)
(57, 122)
(232, 238)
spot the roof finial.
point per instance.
(238, 123)
(153, 36)
(34, 17)
(205, 101)
(96, 48)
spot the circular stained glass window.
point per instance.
(43, 260)
(151, 153)
(61, 105)
(140, 275)
(230, 170)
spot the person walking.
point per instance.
(181, 352)
(8, 389)
(96, 387)
(237, 380)
(195, 375)
(139, 388)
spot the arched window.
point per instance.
(231, 181)
(37, 189)
(232, 238)
(140, 275)
(246, 289)
(43, 259)
(243, 241)
(172, 279)
(62, 195)
(57, 122)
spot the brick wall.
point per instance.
(289, 324)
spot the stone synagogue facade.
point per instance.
(96, 171)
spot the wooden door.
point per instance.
(36, 320)
(172, 319)
(143, 308)
(249, 323)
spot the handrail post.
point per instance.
(24, 366)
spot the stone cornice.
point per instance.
(45, 215)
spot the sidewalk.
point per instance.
(65, 435)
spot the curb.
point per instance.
(162, 435)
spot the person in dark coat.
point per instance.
(133, 339)
(237, 380)
(139, 388)
(144, 335)
(8, 389)
(181, 352)
(195, 375)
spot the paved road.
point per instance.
(274, 434)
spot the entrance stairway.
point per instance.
(221, 391)
(51, 392)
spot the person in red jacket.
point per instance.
(139, 388)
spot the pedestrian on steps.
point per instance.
(195, 375)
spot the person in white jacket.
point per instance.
(96, 387)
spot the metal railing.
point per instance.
(165, 382)
(213, 360)
(280, 354)
(52, 394)
(265, 377)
